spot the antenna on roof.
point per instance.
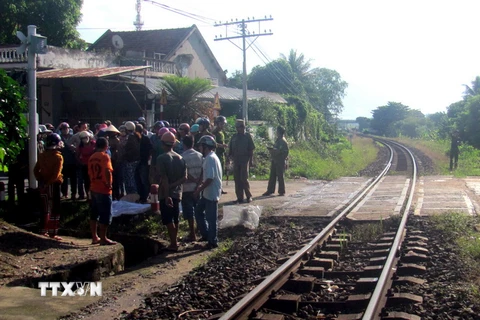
(138, 23)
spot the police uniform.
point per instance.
(240, 150)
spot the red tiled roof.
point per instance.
(158, 41)
(86, 72)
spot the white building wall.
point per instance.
(203, 65)
(60, 58)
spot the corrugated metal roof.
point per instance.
(86, 72)
(225, 93)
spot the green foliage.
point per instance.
(13, 124)
(236, 80)
(459, 227)
(276, 76)
(55, 19)
(184, 90)
(363, 123)
(326, 89)
(319, 160)
(385, 117)
(366, 232)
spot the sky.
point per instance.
(419, 53)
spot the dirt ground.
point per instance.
(24, 254)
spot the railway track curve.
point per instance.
(312, 263)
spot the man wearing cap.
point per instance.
(172, 171)
(182, 132)
(240, 151)
(279, 154)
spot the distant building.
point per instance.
(348, 125)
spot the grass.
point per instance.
(334, 163)
(438, 151)
(465, 231)
(461, 228)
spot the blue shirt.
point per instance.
(212, 169)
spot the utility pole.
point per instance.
(244, 34)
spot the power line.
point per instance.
(245, 33)
(279, 73)
(183, 12)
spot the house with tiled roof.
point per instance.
(181, 51)
(119, 77)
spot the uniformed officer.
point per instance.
(240, 151)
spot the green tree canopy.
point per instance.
(384, 118)
(55, 19)
(235, 80)
(276, 76)
(325, 90)
(13, 124)
(473, 89)
(184, 90)
(363, 123)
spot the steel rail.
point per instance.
(374, 306)
(258, 296)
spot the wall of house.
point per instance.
(203, 65)
(88, 99)
(60, 58)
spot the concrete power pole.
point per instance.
(244, 33)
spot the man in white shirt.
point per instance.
(194, 161)
(206, 212)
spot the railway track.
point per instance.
(303, 284)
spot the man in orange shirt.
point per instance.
(100, 173)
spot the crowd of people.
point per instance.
(106, 163)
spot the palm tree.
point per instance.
(184, 90)
(300, 66)
(472, 90)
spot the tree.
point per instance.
(472, 90)
(55, 19)
(236, 80)
(299, 65)
(13, 124)
(384, 118)
(363, 123)
(184, 90)
(326, 89)
(276, 76)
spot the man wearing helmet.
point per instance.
(219, 135)
(172, 171)
(210, 189)
(69, 170)
(48, 172)
(203, 130)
